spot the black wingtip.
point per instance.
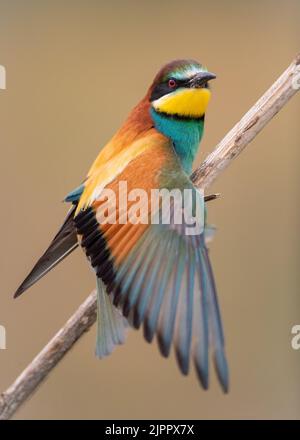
(203, 381)
(225, 389)
(21, 289)
(212, 197)
(203, 377)
(28, 282)
(221, 368)
(64, 242)
(163, 345)
(224, 386)
(23, 286)
(183, 362)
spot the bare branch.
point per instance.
(231, 146)
(48, 358)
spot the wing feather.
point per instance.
(158, 275)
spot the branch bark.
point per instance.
(228, 149)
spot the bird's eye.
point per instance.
(172, 83)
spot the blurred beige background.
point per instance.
(74, 70)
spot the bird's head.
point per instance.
(180, 89)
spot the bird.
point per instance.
(153, 275)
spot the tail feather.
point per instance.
(61, 246)
(111, 324)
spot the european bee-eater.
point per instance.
(150, 273)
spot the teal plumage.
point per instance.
(186, 135)
(74, 195)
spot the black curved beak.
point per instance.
(201, 79)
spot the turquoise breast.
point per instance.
(185, 134)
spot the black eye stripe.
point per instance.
(179, 82)
(164, 88)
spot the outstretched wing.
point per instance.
(159, 275)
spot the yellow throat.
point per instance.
(184, 102)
